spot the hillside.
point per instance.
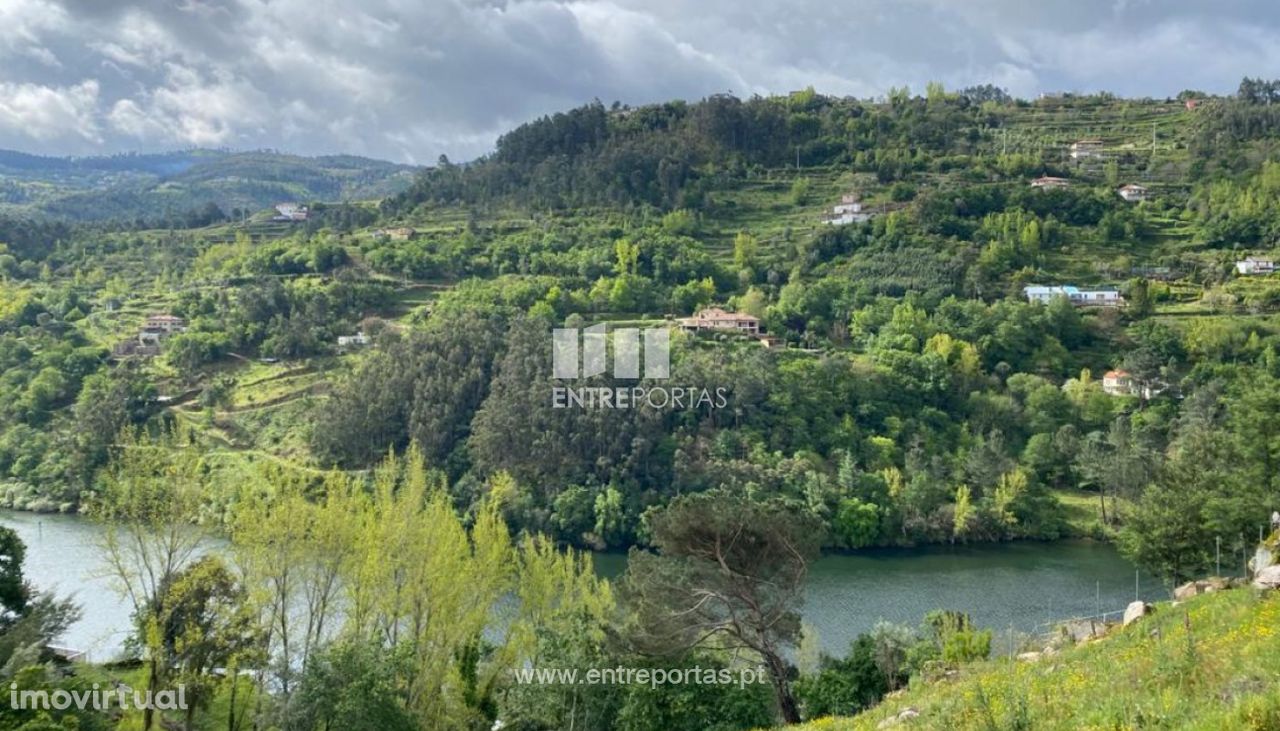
(887, 379)
(157, 187)
(910, 393)
(1212, 662)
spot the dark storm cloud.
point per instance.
(408, 79)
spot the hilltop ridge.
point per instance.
(156, 188)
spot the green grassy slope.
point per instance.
(1209, 663)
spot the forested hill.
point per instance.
(166, 188)
(676, 154)
(909, 391)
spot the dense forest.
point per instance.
(380, 374)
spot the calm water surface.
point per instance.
(1016, 585)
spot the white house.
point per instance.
(168, 324)
(850, 210)
(1122, 383)
(1097, 298)
(1045, 295)
(1075, 295)
(1133, 193)
(359, 340)
(1255, 265)
(291, 212)
(1085, 149)
(1118, 383)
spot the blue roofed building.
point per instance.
(1075, 295)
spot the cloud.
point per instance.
(411, 80)
(23, 22)
(46, 113)
(193, 110)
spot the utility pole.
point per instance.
(1218, 556)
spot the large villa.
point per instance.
(715, 318)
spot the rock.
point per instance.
(1215, 583)
(1080, 630)
(1135, 611)
(1268, 578)
(1262, 558)
(1203, 586)
(1028, 656)
(904, 715)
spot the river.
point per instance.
(1002, 586)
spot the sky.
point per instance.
(409, 80)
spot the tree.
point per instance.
(857, 523)
(149, 506)
(891, 643)
(1138, 295)
(1165, 532)
(354, 684)
(800, 191)
(460, 604)
(844, 686)
(965, 513)
(745, 250)
(695, 706)
(753, 302)
(28, 619)
(206, 623)
(729, 573)
(13, 588)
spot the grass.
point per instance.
(1210, 663)
(1080, 511)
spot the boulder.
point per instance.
(1082, 630)
(905, 715)
(1215, 583)
(1028, 656)
(1203, 586)
(1135, 611)
(1268, 578)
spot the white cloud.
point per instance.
(50, 113)
(412, 79)
(194, 110)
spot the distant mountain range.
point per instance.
(155, 186)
